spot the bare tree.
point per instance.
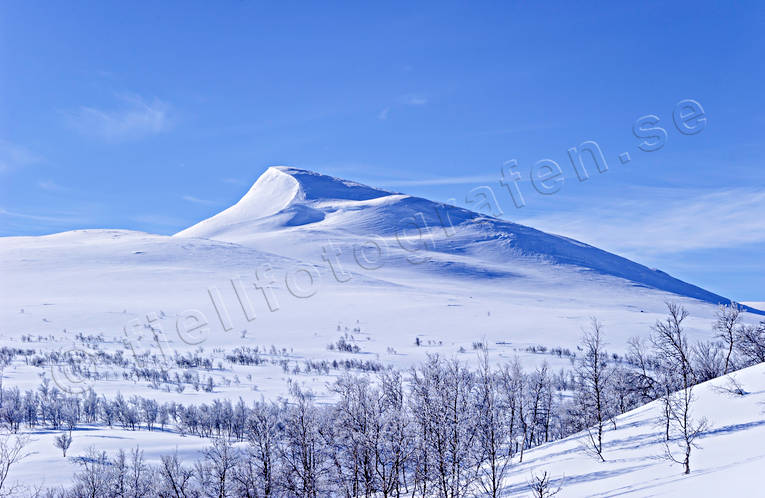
(672, 354)
(12, 451)
(675, 357)
(623, 393)
(175, 480)
(303, 453)
(215, 471)
(94, 478)
(351, 439)
(709, 361)
(541, 487)
(537, 407)
(644, 382)
(685, 429)
(390, 435)
(442, 394)
(728, 319)
(750, 342)
(120, 469)
(63, 441)
(671, 345)
(258, 471)
(594, 378)
(138, 477)
(494, 435)
(512, 380)
(731, 387)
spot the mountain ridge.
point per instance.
(288, 207)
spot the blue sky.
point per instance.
(157, 116)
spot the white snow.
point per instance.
(482, 279)
(728, 461)
(760, 305)
(339, 256)
(294, 212)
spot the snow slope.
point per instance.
(99, 281)
(303, 259)
(728, 462)
(294, 212)
(755, 304)
(269, 261)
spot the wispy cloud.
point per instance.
(665, 221)
(51, 186)
(14, 156)
(414, 100)
(197, 200)
(57, 220)
(520, 129)
(409, 100)
(134, 118)
(450, 180)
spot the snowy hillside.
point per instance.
(294, 212)
(730, 453)
(307, 279)
(304, 259)
(727, 462)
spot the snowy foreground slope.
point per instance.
(728, 462)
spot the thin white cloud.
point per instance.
(50, 186)
(14, 156)
(43, 218)
(453, 180)
(135, 118)
(409, 100)
(414, 100)
(665, 221)
(521, 128)
(197, 200)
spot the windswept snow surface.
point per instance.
(304, 259)
(295, 212)
(760, 305)
(728, 461)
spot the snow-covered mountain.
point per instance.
(355, 253)
(332, 251)
(293, 212)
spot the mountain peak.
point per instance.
(288, 192)
(316, 186)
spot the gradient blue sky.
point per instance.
(153, 117)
